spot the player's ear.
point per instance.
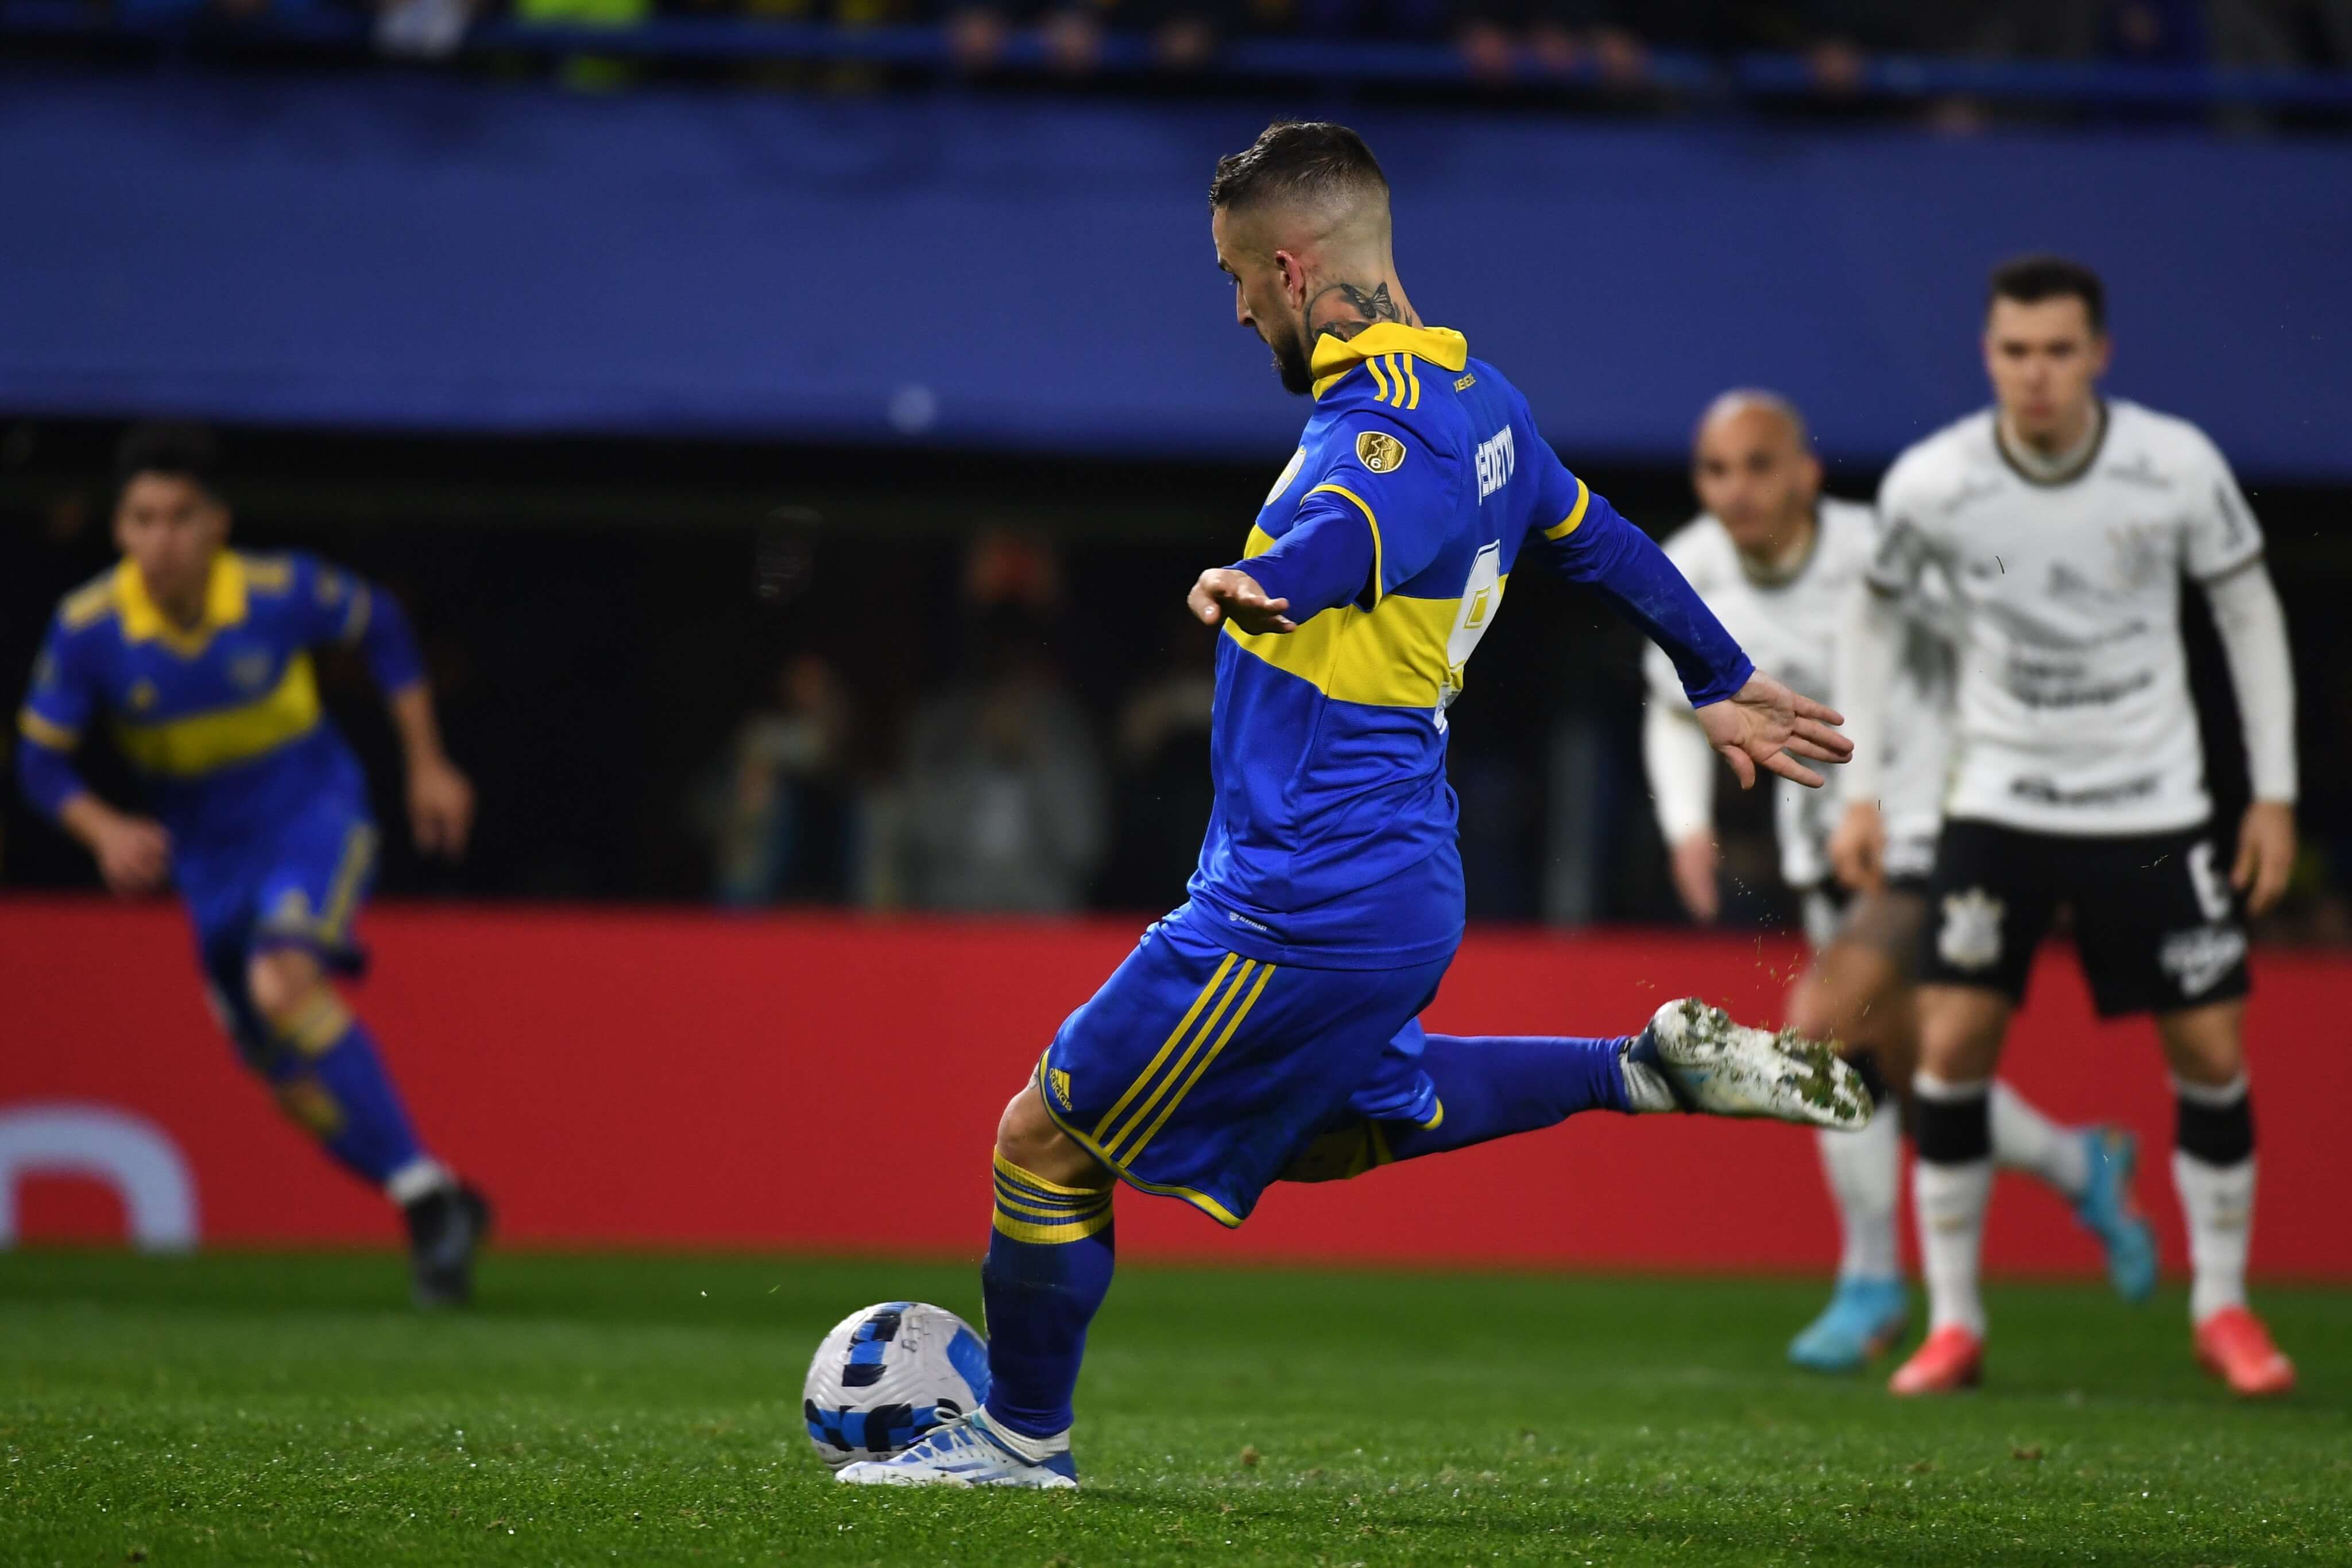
(1293, 277)
(2103, 353)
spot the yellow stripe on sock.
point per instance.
(1051, 1235)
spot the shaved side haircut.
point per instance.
(1312, 162)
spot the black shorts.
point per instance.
(2158, 924)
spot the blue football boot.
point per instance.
(965, 1453)
(2109, 1212)
(1863, 1321)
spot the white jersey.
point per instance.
(1791, 630)
(2074, 714)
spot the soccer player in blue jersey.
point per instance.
(1268, 1030)
(200, 657)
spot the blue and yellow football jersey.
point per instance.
(222, 721)
(1332, 843)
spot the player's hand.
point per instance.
(1764, 722)
(1694, 865)
(440, 806)
(134, 855)
(1223, 594)
(2265, 853)
(1858, 848)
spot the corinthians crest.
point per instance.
(1379, 451)
(1971, 938)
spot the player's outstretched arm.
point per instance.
(1750, 719)
(1227, 593)
(1764, 724)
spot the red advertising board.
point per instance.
(822, 1082)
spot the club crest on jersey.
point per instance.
(1380, 452)
(250, 672)
(1971, 938)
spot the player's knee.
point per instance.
(1026, 1137)
(285, 985)
(1960, 1030)
(2204, 1045)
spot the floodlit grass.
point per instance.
(265, 1409)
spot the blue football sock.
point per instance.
(1492, 1086)
(1048, 1269)
(331, 1078)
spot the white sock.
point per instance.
(1864, 1170)
(2023, 1139)
(1951, 1201)
(2218, 1202)
(1036, 1450)
(418, 1179)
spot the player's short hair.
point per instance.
(2030, 279)
(1312, 161)
(1739, 398)
(164, 446)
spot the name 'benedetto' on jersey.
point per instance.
(2074, 714)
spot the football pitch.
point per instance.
(238, 1408)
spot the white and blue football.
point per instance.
(888, 1373)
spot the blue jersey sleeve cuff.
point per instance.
(1720, 688)
(389, 646)
(47, 777)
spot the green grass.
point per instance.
(261, 1409)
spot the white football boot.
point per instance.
(1693, 1057)
(965, 1453)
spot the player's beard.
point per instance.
(1290, 360)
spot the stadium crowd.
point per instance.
(1611, 41)
(982, 741)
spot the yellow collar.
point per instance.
(1334, 357)
(144, 620)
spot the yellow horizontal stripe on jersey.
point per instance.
(1391, 656)
(42, 732)
(202, 743)
(1567, 525)
(1364, 506)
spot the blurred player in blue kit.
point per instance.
(199, 658)
(1268, 1028)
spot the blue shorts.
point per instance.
(301, 886)
(1200, 1074)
